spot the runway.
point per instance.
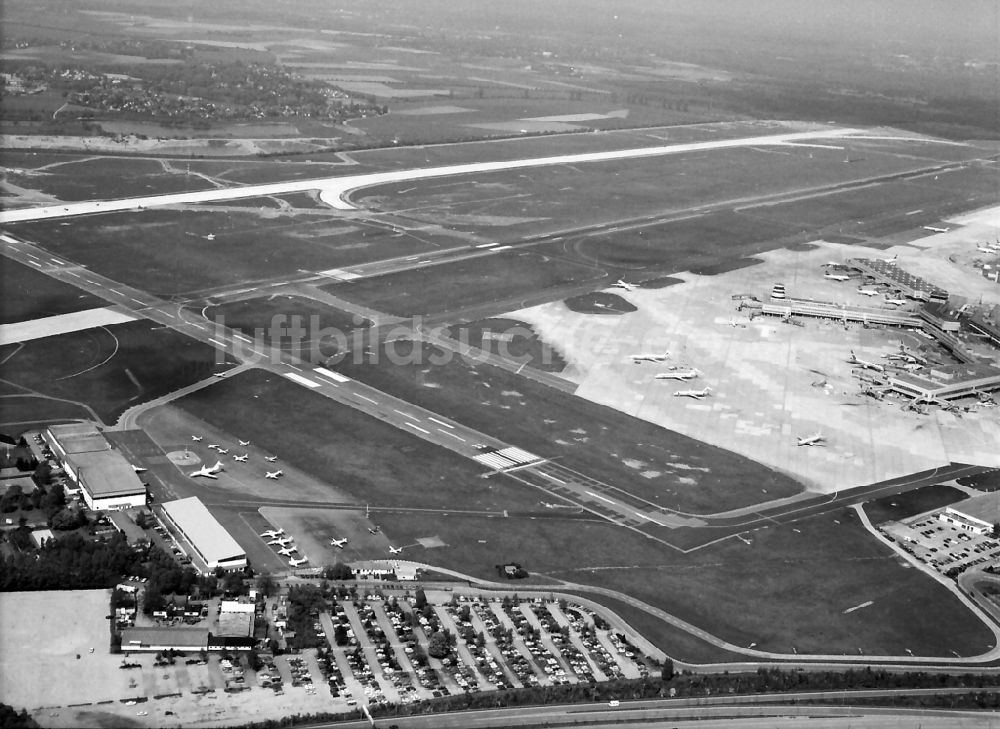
(334, 190)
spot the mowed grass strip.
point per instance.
(30, 294)
(371, 460)
(171, 251)
(664, 467)
(508, 276)
(788, 589)
(107, 368)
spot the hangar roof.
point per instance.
(203, 530)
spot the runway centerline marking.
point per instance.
(456, 437)
(435, 420)
(602, 498)
(417, 427)
(366, 398)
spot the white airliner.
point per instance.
(855, 360)
(209, 471)
(241, 459)
(395, 550)
(988, 249)
(273, 474)
(867, 292)
(895, 302)
(619, 284)
(197, 438)
(910, 355)
(932, 229)
(138, 469)
(649, 357)
(912, 367)
(696, 394)
(338, 542)
(678, 375)
(272, 533)
(837, 276)
(811, 440)
(288, 551)
(244, 443)
(297, 562)
(223, 451)
(270, 459)
(283, 541)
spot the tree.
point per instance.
(667, 672)
(42, 475)
(419, 599)
(233, 582)
(340, 635)
(142, 520)
(437, 645)
(67, 519)
(339, 571)
(995, 531)
(266, 584)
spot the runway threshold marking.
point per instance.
(435, 420)
(417, 427)
(451, 434)
(602, 498)
(301, 380)
(335, 376)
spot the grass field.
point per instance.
(506, 277)
(510, 338)
(600, 302)
(23, 411)
(107, 368)
(164, 251)
(911, 503)
(323, 326)
(108, 177)
(29, 294)
(662, 466)
(788, 588)
(372, 461)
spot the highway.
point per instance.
(755, 710)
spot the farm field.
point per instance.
(373, 462)
(30, 294)
(659, 465)
(504, 278)
(788, 588)
(168, 252)
(911, 503)
(107, 369)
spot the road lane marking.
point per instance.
(417, 427)
(451, 434)
(602, 498)
(435, 420)
(366, 398)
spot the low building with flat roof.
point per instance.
(946, 382)
(984, 509)
(161, 639)
(236, 619)
(207, 542)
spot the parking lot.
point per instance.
(941, 545)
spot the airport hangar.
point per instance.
(211, 547)
(106, 479)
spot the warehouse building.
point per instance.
(106, 479)
(205, 540)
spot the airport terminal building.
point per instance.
(106, 479)
(205, 540)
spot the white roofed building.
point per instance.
(206, 541)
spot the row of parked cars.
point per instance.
(505, 644)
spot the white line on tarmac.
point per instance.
(56, 261)
(217, 343)
(35, 263)
(417, 427)
(93, 282)
(553, 478)
(451, 434)
(435, 420)
(245, 339)
(167, 313)
(295, 368)
(75, 275)
(602, 498)
(114, 291)
(649, 518)
(137, 300)
(366, 398)
(405, 415)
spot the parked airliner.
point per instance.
(209, 471)
(649, 357)
(678, 375)
(273, 474)
(696, 394)
(811, 440)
